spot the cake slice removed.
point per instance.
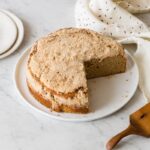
(60, 64)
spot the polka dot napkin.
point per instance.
(115, 18)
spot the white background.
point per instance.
(20, 129)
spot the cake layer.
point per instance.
(61, 108)
(58, 59)
(60, 64)
(78, 103)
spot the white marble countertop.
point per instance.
(22, 130)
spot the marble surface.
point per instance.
(21, 129)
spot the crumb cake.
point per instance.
(60, 64)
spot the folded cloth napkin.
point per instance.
(114, 18)
(135, 6)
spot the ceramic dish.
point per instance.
(8, 32)
(121, 88)
(20, 35)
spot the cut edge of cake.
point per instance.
(64, 102)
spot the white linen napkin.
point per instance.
(134, 6)
(114, 18)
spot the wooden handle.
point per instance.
(113, 142)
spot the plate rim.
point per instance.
(24, 101)
(15, 36)
(20, 33)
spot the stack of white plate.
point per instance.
(11, 33)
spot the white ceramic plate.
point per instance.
(20, 35)
(8, 32)
(107, 94)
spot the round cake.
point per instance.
(60, 64)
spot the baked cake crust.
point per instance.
(61, 108)
(59, 64)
